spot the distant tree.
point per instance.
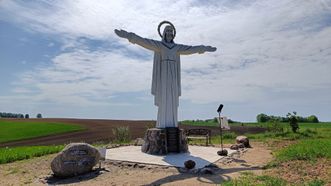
(261, 118)
(312, 119)
(39, 115)
(27, 116)
(293, 121)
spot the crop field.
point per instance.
(13, 130)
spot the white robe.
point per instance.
(166, 85)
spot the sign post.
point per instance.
(222, 152)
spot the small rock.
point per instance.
(189, 164)
(244, 140)
(206, 171)
(241, 146)
(234, 147)
(139, 142)
(141, 166)
(223, 152)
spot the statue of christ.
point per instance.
(166, 85)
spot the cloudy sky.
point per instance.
(62, 58)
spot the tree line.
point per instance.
(17, 115)
(261, 118)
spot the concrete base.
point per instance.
(202, 156)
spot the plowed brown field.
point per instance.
(101, 130)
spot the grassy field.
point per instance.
(18, 130)
(12, 154)
(310, 149)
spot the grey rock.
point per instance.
(234, 147)
(244, 140)
(241, 145)
(155, 142)
(139, 142)
(75, 159)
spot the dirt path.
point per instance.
(34, 172)
(101, 130)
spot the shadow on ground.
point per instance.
(84, 177)
(216, 178)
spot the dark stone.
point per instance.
(75, 159)
(156, 142)
(241, 145)
(222, 152)
(189, 164)
(244, 140)
(234, 147)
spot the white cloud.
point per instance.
(263, 47)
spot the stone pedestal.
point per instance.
(162, 141)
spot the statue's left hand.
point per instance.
(121, 33)
(210, 49)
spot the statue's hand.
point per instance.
(121, 33)
(210, 49)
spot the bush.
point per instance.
(275, 126)
(27, 116)
(312, 119)
(121, 134)
(293, 121)
(261, 118)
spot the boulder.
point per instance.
(189, 164)
(75, 159)
(244, 140)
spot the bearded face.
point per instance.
(168, 34)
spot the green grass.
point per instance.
(311, 149)
(18, 130)
(248, 179)
(12, 154)
(255, 124)
(199, 123)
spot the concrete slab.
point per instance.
(202, 156)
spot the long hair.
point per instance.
(164, 34)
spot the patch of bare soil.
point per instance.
(37, 172)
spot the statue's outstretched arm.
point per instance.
(135, 39)
(187, 50)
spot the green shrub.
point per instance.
(312, 119)
(293, 119)
(275, 126)
(261, 118)
(121, 134)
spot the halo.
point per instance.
(166, 22)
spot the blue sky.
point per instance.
(62, 58)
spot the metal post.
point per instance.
(219, 114)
